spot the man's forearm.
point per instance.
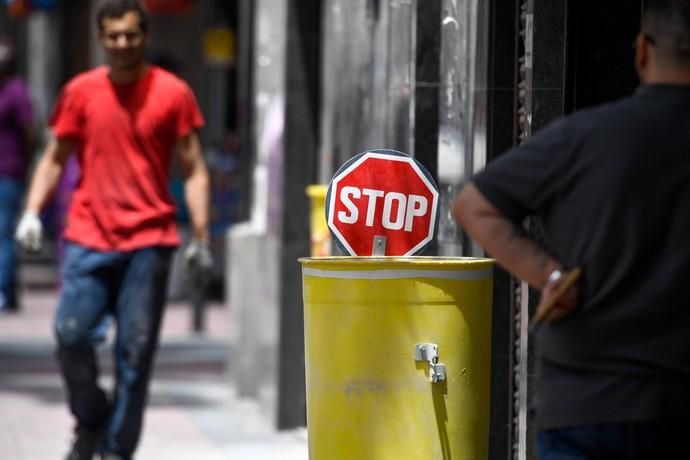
(502, 239)
(196, 185)
(197, 199)
(46, 176)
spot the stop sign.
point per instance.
(382, 195)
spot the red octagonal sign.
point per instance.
(382, 198)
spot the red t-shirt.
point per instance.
(125, 135)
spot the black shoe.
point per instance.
(8, 305)
(12, 303)
(85, 444)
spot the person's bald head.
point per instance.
(663, 45)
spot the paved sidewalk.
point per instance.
(194, 413)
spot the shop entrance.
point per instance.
(599, 61)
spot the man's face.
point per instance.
(123, 40)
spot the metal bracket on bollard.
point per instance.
(379, 247)
(429, 352)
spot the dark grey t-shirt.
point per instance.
(612, 187)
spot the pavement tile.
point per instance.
(194, 413)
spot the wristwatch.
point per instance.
(554, 276)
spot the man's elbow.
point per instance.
(200, 178)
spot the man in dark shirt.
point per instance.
(612, 188)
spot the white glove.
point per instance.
(198, 259)
(29, 233)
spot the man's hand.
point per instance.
(29, 233)
(198, 259)
(559, 296)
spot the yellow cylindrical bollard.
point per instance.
(320, 235)
(370, 323)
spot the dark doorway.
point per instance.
(599, 62)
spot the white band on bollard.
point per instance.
(466, 275)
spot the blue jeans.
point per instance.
(130, 287)
(660, 440)
(11, 192)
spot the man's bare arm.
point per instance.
(502, 239)
(514, 251)
(48, 172)
(196, 182)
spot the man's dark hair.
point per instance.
(666, 23)
(118, 8)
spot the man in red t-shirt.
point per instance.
(123, 121)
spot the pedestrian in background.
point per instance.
(123, 120)
(15, 158)
(612, 188)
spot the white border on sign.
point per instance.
(387, 157)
